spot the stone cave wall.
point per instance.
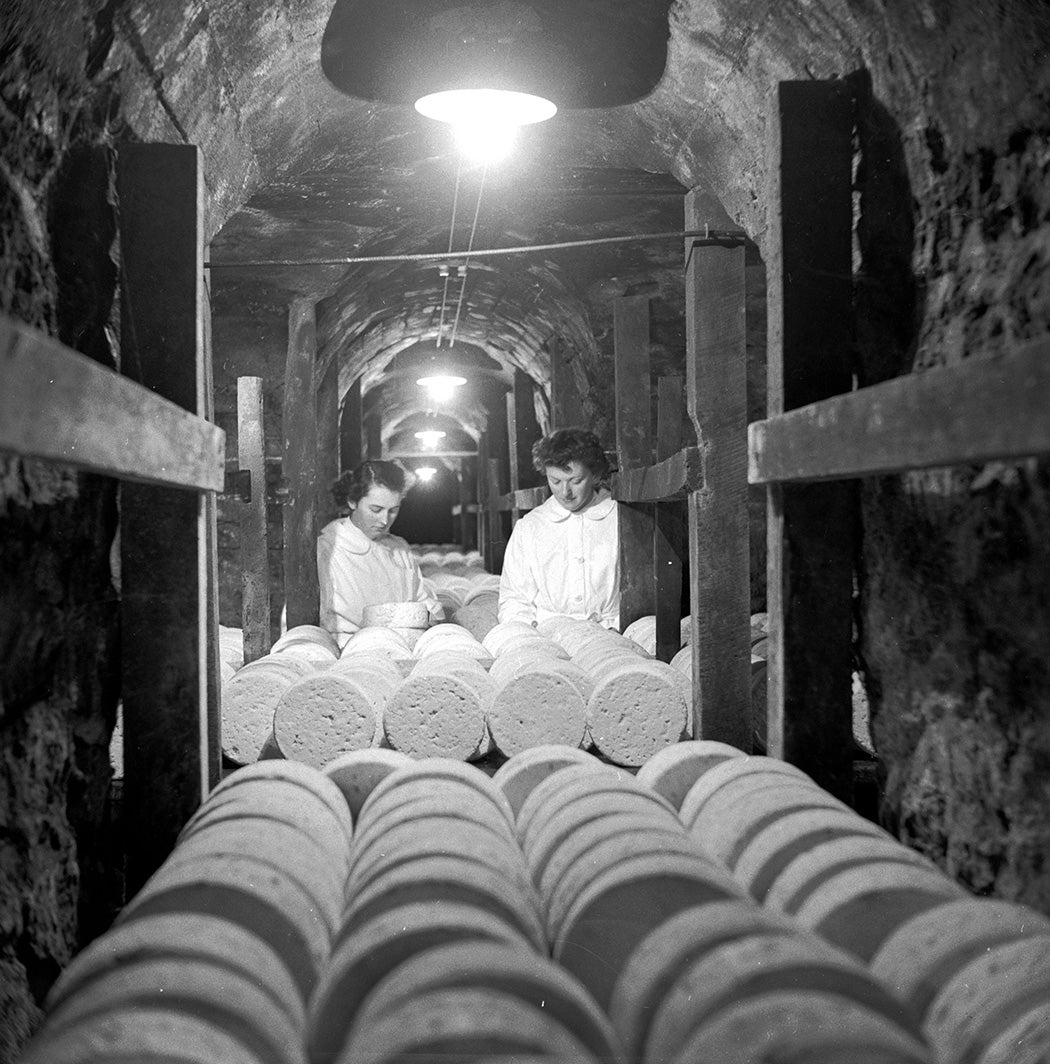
(59, 646)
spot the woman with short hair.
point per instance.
(359, 563)
(563, 557)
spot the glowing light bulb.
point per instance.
(429, 437)
(426, 473)
(442, 387)
(485, 120)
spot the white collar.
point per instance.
(597, 511)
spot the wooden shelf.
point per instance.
(57, 404)
(673, 478)
(981, 410)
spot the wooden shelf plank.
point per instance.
(673, 478)
(978, 411)
(522, 499)
(57, 404)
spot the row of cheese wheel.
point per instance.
(711, 907)
(452, 696)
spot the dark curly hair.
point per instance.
(354, 485)
(564, 446)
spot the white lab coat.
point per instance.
(354, 571)
(558, 562)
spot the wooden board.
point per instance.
(301, 593)
(716, 397)
(328, 447)
(566, 402)
(670, 540)
(351, 429)
(674, 478)
(497, 472)
(981, 410)
(811, 526)
(255, 566)
(170, 724)
(58, 404)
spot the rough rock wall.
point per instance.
(58, 617)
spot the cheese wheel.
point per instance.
(805, 1027)
(673, 770)
(462, 1024)
(395, 615)
(924, 953)
(358, 772)
(505, 630)
(518, 775)
(620, 906)
(535, 707)
(671, 947)
(194, 936)
(267, 775)
(635, 710)
(361, 961)
(199, 986)
(731, 818)
(478, 618)
(565, 785)
(436, 716)
(724, 775)
(249, 699)
(489, 964)
(308, 641)
(369, 638)
(769, 851)
(459, 879)
(320, 717)
(137, 1033)
(264, 900)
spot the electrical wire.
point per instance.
(729, 238)
(451, 238)
(470, 247)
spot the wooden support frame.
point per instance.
(811, 526)
(328, 446)
(496, 472)
(978, 411)
(670, 537)
(716, 398)
(254, 537)
(634, 449)
(169, 687)
(299, 432)
(60, 405)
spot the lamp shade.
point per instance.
(575, 53)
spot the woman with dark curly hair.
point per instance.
(358, 562)
(563, 557)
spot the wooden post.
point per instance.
(299, 422)
(634, 450)
(716, 397)
(512, 445)
(481, 481)
(566, 404)
(255, 567)
(669, 541)
(468, 521)
(497, 473)
(811, 526)
(329, 444)
(170, 703)
(351, 429)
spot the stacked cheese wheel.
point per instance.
(714, 906)
(468, 593)
(217, 957)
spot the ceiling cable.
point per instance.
(451, 237)
(470, 247)
(726, 238)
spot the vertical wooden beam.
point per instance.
(527, 430)
(811, 527)
(716, 397)
(255, 567)
(634, 449)
(669, 541)
(468, 518)
(328, 444)
(566, 403)
(481, 481)
(497, 472)
(300, 467)
(170, 724)
(351, 429)
(514, 478)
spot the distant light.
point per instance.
(426, 473)
(429, 437)
(442, 387)
(485, 121)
